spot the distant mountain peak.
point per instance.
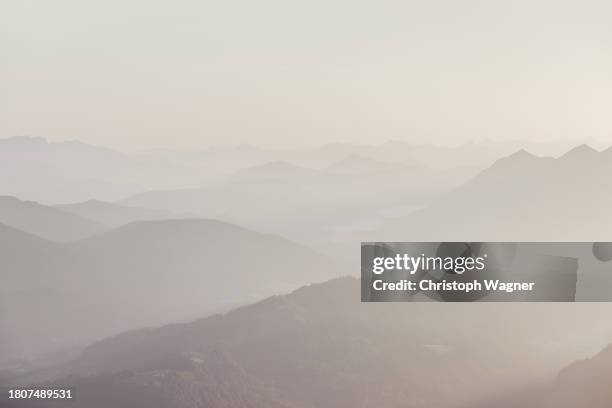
(94, 201)
(8, 198)
(24, 140)
(91, 203)
(356, 159)
(278, 164)
(44, 221)
(278, 169)
(522, 154)
(580, 151)
(519, 157)
(356, 164)
(394, 142)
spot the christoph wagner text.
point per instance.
(467, 287)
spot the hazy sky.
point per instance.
(189, 73)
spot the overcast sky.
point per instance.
(137, 74)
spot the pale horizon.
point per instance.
(187, 75)
(520, 143)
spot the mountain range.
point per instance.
(521, 197)
(111, 215)
(306, 204)
(36, 169)
(77, 273)
(44, 221)
(47, 172)
(144, 273)
(320, 347)
(584, 383)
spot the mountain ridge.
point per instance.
(319, 346)
(113, 215)
(155, 272)
(44, 221)
(520, 198)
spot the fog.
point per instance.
(118, 293)
(187, 75)
(184, 188)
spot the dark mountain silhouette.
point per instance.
(320, 347)
(114, 215)
(23, 255)
(521, 197)
(46, 222)
(149, 273)
(27, 268)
